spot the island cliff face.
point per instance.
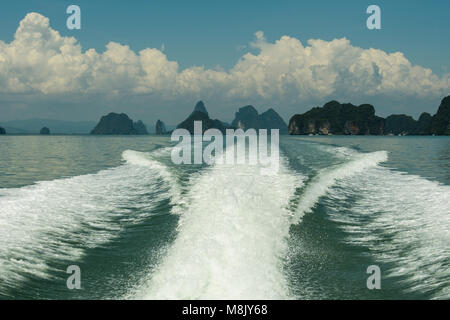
(272, 120)
(336, 118)
(440, 123)
(160, 127)
(245, 118)
(424, 124)
(140, 127)
(405, 125)
(400, 124)
(248, 118)
(200, 114)
(119, 124)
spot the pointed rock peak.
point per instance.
(160, 127)
(200, 106)
(445, 105)
(272, 114)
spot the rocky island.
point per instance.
(140, 127)
(160, 128)
(348, 119)
(337, 118)
(200, 114)
(247, 117)
(44, 131)
(118, 124)
(2, 130)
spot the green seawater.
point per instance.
(140, 226)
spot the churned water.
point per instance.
(141, 227)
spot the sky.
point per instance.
(155, 59)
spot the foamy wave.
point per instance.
(148, 160)
(58, 220)
(328, 177)
(339, 152)
(407, 224)
(232, 238)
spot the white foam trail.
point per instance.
(407, 225)
(232, 238)
(339, 152)
(59, 219)
(326, 178)
(149, 160)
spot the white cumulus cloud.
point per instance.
(41, 61)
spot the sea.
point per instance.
(138, 226)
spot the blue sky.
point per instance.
(219, 33)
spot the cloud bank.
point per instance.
(41, 62)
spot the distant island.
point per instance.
(44, 131)
(33, 126)
(201, 114)
(333, 118)
(348, 119)
(118, 124)
(160, 128)
(246, 118)
(140, 127)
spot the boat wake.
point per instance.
(234, 223)
(58, 220)
(322, 183)
(231, 238)
(404, 221)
